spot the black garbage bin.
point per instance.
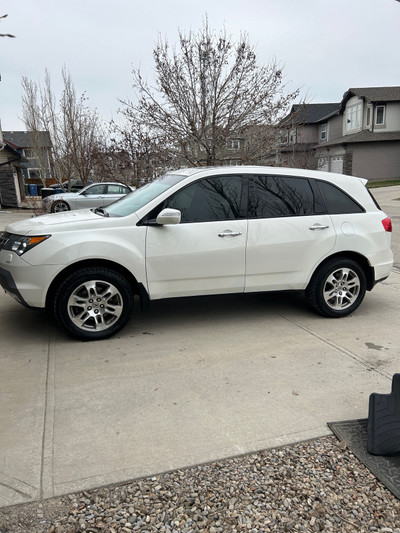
(46, 191)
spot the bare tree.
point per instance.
(5, 34)
(140, 154)
(209, 90)
(74, 128)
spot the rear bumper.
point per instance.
(383, 267)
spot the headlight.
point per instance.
(20, 244)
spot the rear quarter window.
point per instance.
(283, 196)
(338, 202)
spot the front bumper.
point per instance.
(28, 284)
(8, 284)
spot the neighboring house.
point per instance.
(12, 191)
(253, 145)
(36, 148)
(299, 133)
(363, 137)
(360, 136)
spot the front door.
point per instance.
(92, 196)
(205, 253)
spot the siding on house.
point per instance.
(307, 134)
(392, 117)
(8, 188)
(334, 127)
(378, 161)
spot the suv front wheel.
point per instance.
(93, 303)
(337, 288)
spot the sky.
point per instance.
(325, 47)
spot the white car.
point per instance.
(95, 195)
(202, 231)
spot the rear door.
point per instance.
(288, 234)
(114, 192)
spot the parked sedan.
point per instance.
(73, 184)
(95, 195)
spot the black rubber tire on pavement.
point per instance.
(337, 288)
(59, 206)
(93, 303)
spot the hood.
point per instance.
(68, 220)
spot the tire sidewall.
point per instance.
(59, 202)
(315, 290)
(73, 281)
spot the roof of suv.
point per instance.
(280, 171)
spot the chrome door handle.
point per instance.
(229, 234)
(318, 226)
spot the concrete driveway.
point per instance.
(190, 381)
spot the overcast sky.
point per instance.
(325, 46)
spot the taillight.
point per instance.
(387, 224)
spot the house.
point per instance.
(359, 136)
(363, 137)
(12, 190)
(36, 148)
(299, 133)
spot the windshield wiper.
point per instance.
(100, 211)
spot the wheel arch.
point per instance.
(137, 288)
(60, 200)
(358, 258)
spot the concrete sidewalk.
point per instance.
(191, 381)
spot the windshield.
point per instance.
(140, 197)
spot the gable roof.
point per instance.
(27, 139)
(310, 113)
(372, 94)
(8, 147)
(362, 137)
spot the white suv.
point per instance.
(202, 231)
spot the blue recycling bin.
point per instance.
(33, 190)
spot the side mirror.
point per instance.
(168, 216)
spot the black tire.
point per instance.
(59, 206)
(93, 303)
(337, 288)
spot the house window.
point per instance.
(323, 132)
(292, 136)
(380, 115)
(283, 137)
(369, 114)
(34, 174)
(233, 144)
(353, 117)
(30, 154)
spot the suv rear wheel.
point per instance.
(337, 288)
(93, 303)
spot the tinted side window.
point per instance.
(96, 189)
(337, 201)
(208, 200)
(271, 197)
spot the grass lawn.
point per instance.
(388, 183)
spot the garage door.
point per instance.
(323, 164)
(337, 164)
